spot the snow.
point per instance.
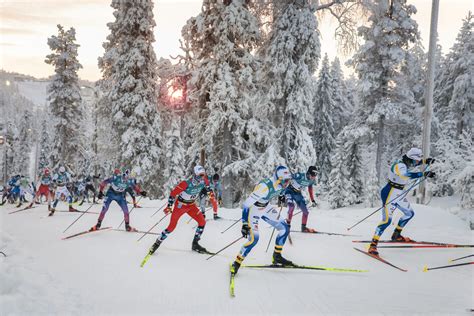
(99, 273)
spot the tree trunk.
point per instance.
(380, 139)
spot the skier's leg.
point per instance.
(408, 213)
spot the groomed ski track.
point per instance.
(100, 274)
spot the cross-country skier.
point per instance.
(293, 196)
(182, 201)
(44, 189)
(61, 180)
(134, 187)
(14, 191)
(257, 206)
(393, 196)
(116, 192)
(89, 186)
(215, 186)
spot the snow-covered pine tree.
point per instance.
(129, 81)
(174, 155)
(338, 177)
(371, 189)
(342, 104)
(453, 109)
(64, 97)
(378, 64)
(324, 112)
(290, 57)
(22, 146)
(223, 89)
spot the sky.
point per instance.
(26, 25)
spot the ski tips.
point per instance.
(425, 268)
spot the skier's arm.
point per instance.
(311, 193)
(402, 171)
(183, 185)
(104, 183)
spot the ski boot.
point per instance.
(235, 267)
(397, 236)
(96, 227)
(51, 211)
(155, 246)
(72, 209)
(82, 202)
(216, 217)
(373, 250)
(198, 248)
(135, 205)
(305, 229)
(129, 228)
(19, 204)
(279, 260)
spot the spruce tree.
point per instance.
(129, 81)
(64, 97)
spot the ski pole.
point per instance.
(461, 258)
(225, 247)
(426, 269)
(273, 232)
(134, 205)
(236, 221)
(146, 233)
(3, 253)
(159, 209)
(79, 217)
(404, 193)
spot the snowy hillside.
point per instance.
(99, 273)
(34, 91)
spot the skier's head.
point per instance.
(412, 157)
(62, 169)
(312, 172)
(215, 177)
(116, 172)
(199, 171)
(46, 171)
(283, 176)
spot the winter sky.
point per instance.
(26, 25)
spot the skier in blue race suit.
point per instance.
(393, 196)
(116, 192)
(294, 197)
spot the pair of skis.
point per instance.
(409, 244)
(276, 266)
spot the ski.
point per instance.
(323, 233)
(302, 267)
(427, 246)
(144, 261)
(404, 242)
(22, 209)
(205, 252)
(426, 269)
(381, 260)
(232, 282)
(135, 231)
(85, 232)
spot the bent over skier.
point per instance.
(393, 195)
(116, 192)
(182, 201)
(257, 206)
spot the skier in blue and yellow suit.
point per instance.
(257, 206)
(393, 196)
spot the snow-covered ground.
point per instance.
(99, 273)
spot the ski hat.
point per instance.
(282, 173)
(199, 170)
(46, 171)
(215, 177)
(415, 154)
(62, 169)
(312, 171)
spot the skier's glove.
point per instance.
(245, 230)
(429, 161)
(313, 204)
(429, 174)
(167, 210)
(100, 196)
(143, 193)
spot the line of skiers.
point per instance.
(282, 184)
